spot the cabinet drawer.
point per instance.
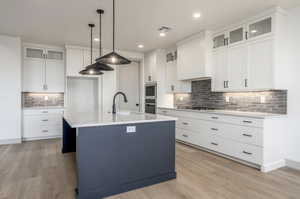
(41, 132)
(189, 137)
(43, 112)
(190, 124)
(248, 153)
(244, 134)
(235, 120)
(51, 121)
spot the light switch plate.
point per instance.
(130, 129)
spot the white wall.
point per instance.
(82, 94)
(293, 128)
(10, 90)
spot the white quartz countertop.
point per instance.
(89, 119)
(258, 115)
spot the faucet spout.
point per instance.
(114, 101)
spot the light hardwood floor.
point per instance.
(38, 170)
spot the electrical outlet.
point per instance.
(130, 129)
(227, 99)
(262, 99)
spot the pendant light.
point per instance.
(113, 57)
(98, 65)
(88, 70)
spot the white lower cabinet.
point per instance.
(42, 124)
(255, 141)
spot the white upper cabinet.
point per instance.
(151, 66)
(172, 84)
(194, 57)
(43, 69)
(220, 70)
(255, 54)
(77, 59)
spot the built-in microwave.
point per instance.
(150, 90)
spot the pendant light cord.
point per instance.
(100, 36)
(91, 44)
(113, 25)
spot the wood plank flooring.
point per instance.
(38, 170)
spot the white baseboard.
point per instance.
(42, 138)
(293, 164)
(273, 166)
(11, 141)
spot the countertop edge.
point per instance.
(237, 114)
(119, 123)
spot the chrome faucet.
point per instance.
(114, 101)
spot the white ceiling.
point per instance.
(59, 22)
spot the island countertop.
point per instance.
(98, 118)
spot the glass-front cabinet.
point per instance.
(259, 28)
(219, 41)
(236, 35)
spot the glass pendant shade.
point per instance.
(113, 58)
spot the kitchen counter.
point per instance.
(89, 119)
(119, 153)
(258, 115)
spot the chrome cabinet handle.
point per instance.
(213, 143)
(247, 121)
(246, 83)
(215, 118)
(246, 35)
(247, 153)
(247, 135)
(45, 120)
(214, 129)
(185, 135)
(45, 131)
(44, 111)
(185, 123)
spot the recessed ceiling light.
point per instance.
(96, 39)
(140, 46)
(197, 15)
(162, 34)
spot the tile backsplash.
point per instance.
(274, 101)
(42, 99)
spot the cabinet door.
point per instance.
(33, 75)
(55, 74)
(150, 67)
(260, 28)
(219, 40)
(171, 76)
(220, 70)
(75, 61)
(236, 35)
(237, 67)
(191, 60)
(260, 64)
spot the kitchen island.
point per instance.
(119, 152)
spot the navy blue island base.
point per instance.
(110, 160)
